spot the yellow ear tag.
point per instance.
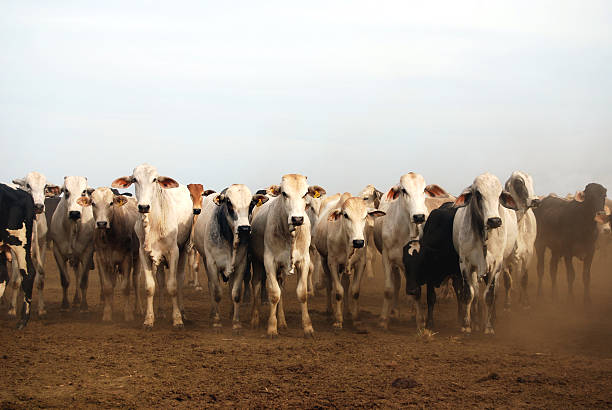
(259, 202)
(317, 194)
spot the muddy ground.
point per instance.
(554, 355)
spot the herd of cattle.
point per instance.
(171, 232)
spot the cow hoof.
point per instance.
(282, 325)
(383, 325)
(147, 327)
(308, 334)
(178, 326)
(42, 314)
(12, 313)
(106, 318)
(489, 331)
(198, 288)
(337, 326)
(217, 328)
(272, 335)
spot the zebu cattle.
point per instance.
(484, 233)
(71, 231)
(568, 229)
(371, 197)
(520, 186)
(341, 239)
(405, 211)
(37, 186)
(222, 235)
(197, 193)
(116, 247)
(163, 232)
(16, 226)
(280, 242)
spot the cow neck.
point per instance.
(156, 218)
(413, 230)
(280, 222)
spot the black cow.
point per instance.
(568, 229)
(435, 261)
(16, 220)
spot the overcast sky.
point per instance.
(345, 92)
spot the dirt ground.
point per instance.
(550, 356)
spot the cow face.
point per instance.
(353, 216)
(196, 191)
(76, 194)
(36, 185)
(520, 186)
(484, 196)
(593, 196)
(103, 201)
(293, 191)
(147, 182)
(604, 221)
(235, 202)
(371, 196)
(412, 190)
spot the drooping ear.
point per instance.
(123, 182)
(20, 181)
(167, 182)
(84, 201)
(435, 191)
(316, 191)
(579, 196)
(219, 199)
(259, 199)
(90, 190)
(119, 200)
(507, 201)
(463, 199)
(393, 192)
(208, 192)
(52, 190)
(274, 190)
(334, 215)
(376, 214)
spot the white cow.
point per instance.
(341, 239)
(484, 233)
(37, 186)
(71, 231)
(405, 213)
(520, 186)
(116, 247)
(371, 197)
(280, 242)
(163, 231)
(221, 235)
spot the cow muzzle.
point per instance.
(297, 220)
(102, 224)
(418, 218)
(534, 203)
(39, 208)
(74, 215)
(197, 211)
(493, 223)
(144, 209)
(358, 243)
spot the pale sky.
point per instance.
(345, 92)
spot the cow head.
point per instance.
(76, 193)
(484, 198)
(196, 191)
(36, 185)
(371, 196)
(353, 216)
(235, 203)
(146, 182)
(604, 221)
(593, 197)
(411, 191)
(520, 186)
(293, 191)
(103, 201)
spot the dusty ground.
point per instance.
(550, 356)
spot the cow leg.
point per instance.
(127, 270)
(586, 277)
(198, 266)
(389, 288)
(214, 290)
(397, 283)
(274, 293)
(147, 268)
(106, 270)
(338, 294)
(489, 306)
(280, 313)
(507, 272)
(84, 276)
(173, 288)
(540, 255)
(554, 263)
(327, 282)
(524, 295)
(470, 290)
(256, 283)
(345, 280)
(136, 284)
(236, 295)
(4, 276)
(370, 253)
(15, 285)
(160, 275)
(431, 302)
(61, 266)
(354, 290)
(458, 286)
(39, 281)
(180, 281)
(302, 294)
(27, 271)
(571, 276)
(189, 276)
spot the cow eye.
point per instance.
(404, 191)
(346, 215)
(66, 194)
(366, 198)
(28, 186)
(285, 194)
(478, 195)
(134, 180)
(154, 179)
(93, 204)
(304, 197)
(111, 204)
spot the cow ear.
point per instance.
(334, 215)
(463, 199)
(219, 199)
(89, 191)
(208, 192)
(507, 201)
(316, 191)
(119, 200)
(20, 181)
(435, 191)
(579, 196)
(167, 182)
(376, 214)
(84, 201)
(273, 190)
(52, 190)
(393, 193)
(601, 218)
(123, 182)
(259, 199)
